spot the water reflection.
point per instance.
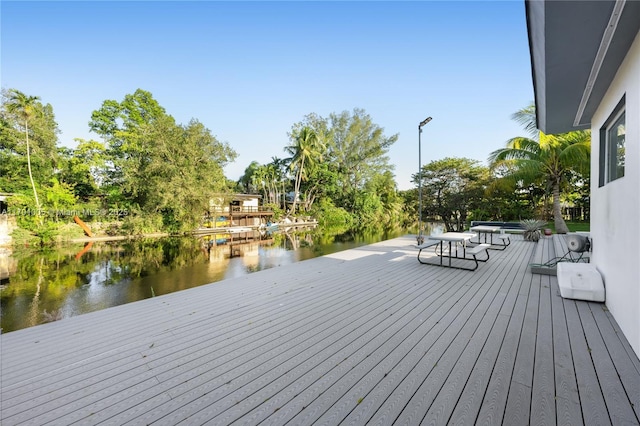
(42, 286)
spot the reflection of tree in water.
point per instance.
(143, 257)
(41, 281)
(34, 311)
(52, 284)
(45, 280)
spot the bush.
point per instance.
(23, 237)
(138, 224)
(330, 216)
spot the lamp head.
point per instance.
(425, 121)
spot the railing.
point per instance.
(241, 209)
(250, 209)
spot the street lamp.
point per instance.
(422, 123)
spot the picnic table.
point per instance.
(456, 248)
(484, 230)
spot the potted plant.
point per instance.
(532, 229)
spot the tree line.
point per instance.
(149, 173)
(531, 177)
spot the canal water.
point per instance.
(48, 285)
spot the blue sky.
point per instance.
(250, 70)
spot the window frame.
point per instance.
(609, 169)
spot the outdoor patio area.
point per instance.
(364, 336)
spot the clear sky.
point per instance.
(250, 70)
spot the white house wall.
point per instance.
(615, 207)
(251, 203)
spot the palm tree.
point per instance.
(551, 158)
(280, 166)
(25, 107)
(306, 150)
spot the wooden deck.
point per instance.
(364, 336)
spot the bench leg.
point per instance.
(483, 260)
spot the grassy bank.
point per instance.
(573, 226)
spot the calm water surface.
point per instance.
(43, 286)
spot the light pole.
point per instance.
(420, 236)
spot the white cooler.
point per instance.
(580, 281)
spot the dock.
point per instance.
(364, 336)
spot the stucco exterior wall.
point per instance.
(615, 207)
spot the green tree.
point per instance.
(246, 181)
(59, 196)
(357, 149)
(270, 178)
(452, 188)
(182, 172)
(306, 151)
(393, 212)
(159, 166)
(123, 126)
(25, 107)
(279, 168)
(83, 168)
(321, 181)
(550, 158)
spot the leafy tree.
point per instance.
(357, 148)
(161, 167)
(452, 188)
(379, 205)
(59, 196)
(123, 126)
(83, 168)
(550, 158)
(321, 182)
(508, 200)
(182, 172)
(393, 212)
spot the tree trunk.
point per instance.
(296, 189)
(33, 185)
(561, 226)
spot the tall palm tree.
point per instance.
(306, 150)
(25, 107)
(549, 157)
(280, 166)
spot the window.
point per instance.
(612, 148)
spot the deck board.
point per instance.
(566, 388)
(479, 355)
(615, 397)
(519, 397)
(433, 362)
(365, 336)
(543, 402)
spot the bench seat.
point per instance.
(477, 249)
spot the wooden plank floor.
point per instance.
(365, 336)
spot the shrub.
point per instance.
(532, 229)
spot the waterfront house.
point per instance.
(240, 209)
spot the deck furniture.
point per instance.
(484, 230)
(457, 248)
(511, 227)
